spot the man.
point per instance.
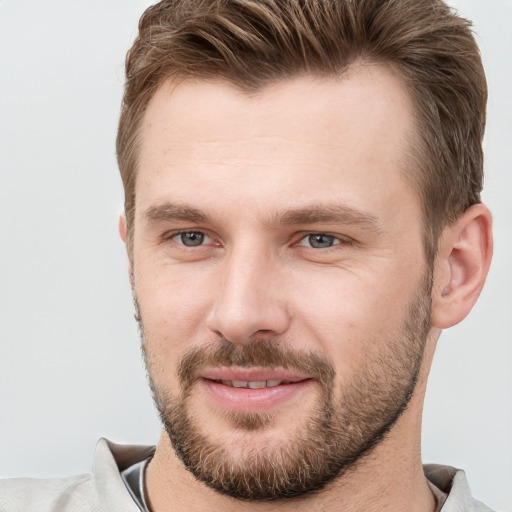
(302, 219)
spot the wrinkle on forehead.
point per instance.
(299, 143)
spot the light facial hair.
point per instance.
(330, 441)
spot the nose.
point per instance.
(250, 300)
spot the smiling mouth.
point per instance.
(256, 390)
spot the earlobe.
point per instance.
(462, 263)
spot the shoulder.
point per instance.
(101, 491)
(454, 483)
(32, 495)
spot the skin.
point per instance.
(245, 162)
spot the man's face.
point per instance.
(279, 271)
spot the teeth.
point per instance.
(254, 384)
(239, 384)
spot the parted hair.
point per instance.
(254, 43)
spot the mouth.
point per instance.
(252, 390)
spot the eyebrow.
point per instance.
(172, 212)
(334, 213)
(329, 213)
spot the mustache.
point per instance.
(261, 353)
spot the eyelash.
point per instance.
(174, 234)
(337, 240)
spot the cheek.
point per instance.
(349, 318)
(173, 306)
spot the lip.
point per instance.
(241, 399)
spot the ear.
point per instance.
(123, 233)
(463, 260)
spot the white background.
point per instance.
(70, 368)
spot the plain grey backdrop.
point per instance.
(70, 366)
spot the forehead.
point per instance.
(292, 138)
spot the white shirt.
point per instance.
(105, 491)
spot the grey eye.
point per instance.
(321, 241)
(192, 238)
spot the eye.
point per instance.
(319, 241)
(190, 238)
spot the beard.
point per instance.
(329, 442)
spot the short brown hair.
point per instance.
(253, 43)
